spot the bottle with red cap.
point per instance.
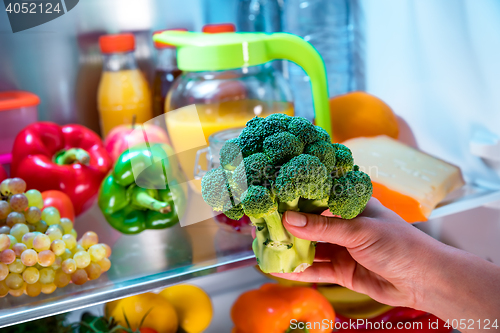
(123, 93)
(165, 73)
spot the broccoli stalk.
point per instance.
(280, 164)
(292, 205)
(314, 206)
(295, 257)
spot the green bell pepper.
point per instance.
(136, 196)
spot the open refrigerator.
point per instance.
(432, 62)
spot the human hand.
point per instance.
(376, 253)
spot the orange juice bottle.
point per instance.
(123, 91)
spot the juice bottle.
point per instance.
(165, 73)
(123, 91)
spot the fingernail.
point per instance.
(295, 219)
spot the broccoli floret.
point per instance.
(282, 146)
(215, 189)
(230, 154)
(235, 213)
(305, 177)
(250, 140)
(323, 150)
(288, 164)
(274, 124)
(350, 194)
(344, 161)
(258, 129)
(254, 122)
(260, 203)
(303, 129)
(255, 169)
(322, 134)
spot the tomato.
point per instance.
(147, 330)
(61, 201)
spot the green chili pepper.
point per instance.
(136, 196)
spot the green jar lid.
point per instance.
(214, 52)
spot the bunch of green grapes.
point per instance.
(39, 251)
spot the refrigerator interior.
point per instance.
(434, 63)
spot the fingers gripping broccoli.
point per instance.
(281, 163)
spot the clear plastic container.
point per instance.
(216, 141)
(334, 28)
(18, 109)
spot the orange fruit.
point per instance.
(360, 114)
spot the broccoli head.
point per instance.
(287, 163)
(350, 194)
(230, 154)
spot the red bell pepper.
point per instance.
(3, 174)
(395, 320)
(70, 158)
(392, 315)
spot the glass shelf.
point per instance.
(470, 196)
(149, 260)
(157, 258)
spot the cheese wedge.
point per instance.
(405, 180)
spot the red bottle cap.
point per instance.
(17, 99)
(160, 45)
(218, 28)
(117, 43)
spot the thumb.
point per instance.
(347, 233)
